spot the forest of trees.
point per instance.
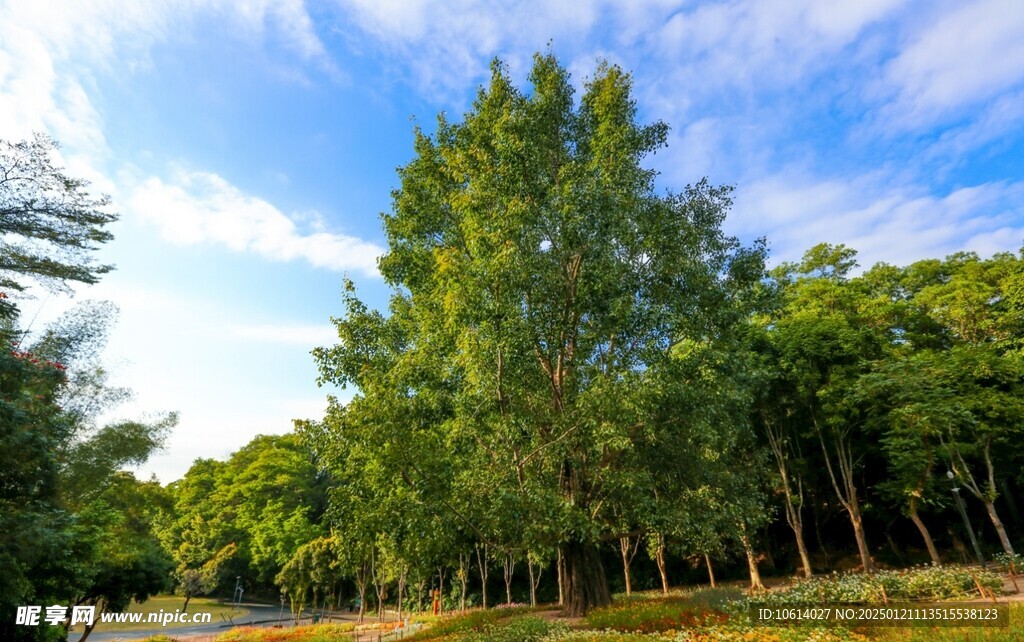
(581, 386)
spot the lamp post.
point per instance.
(963, 513)
(238, 592)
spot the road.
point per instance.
(258, 615)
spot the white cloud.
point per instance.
(446, 46)
(964, 57)
(201, 207)
(993, 124)
(772, 44)
(50, 52)
(895, 224)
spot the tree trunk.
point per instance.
(925, 535)
(847, 495)
(755, 573)
(711, 571)
(88, 629)
(533, 581)
(382, 590)
(627, 560)
(464, 562)
(401, 590)
(1000, 530)
(440, 588)
(362, 601)
(793, 505)
(659, 558)
(586, 584)
(862, 541)
(560, 567)
(481, 561)
(805, 558)
(184, 609)
(509, 568)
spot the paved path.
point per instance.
(258, 615)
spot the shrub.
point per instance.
(918, 583)
(653, 616)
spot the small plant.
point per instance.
(1010, 563)
(653, 616)
(914, 584)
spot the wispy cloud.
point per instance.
(884, 222)
(961, 57)
(443, 47)
(202, 207)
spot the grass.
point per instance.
(169, 604)
(313, 633)
(703, 615)
(1013, 633)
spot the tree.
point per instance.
(261, 505)
(127, 562)
(49, 222)
(824, 336)
(542, 288)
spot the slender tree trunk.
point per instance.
(88, 629)
(440, 588)
(509, 567)
(627, 559)
(560, 566)
(481, 560)
(925, 535)
(659, 559)
(586, 584)
(1004, 539)
(361, 583)
(464, 562)
(401, 590)
(805, 558)
(711, 570)
(847, 494)
(184, 609)
(862, 541)
(534, 579)
(755, 573)
(987, 493)
(382, 589)
(793, 504)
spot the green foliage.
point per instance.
(525, 628)
(499, 625)
(49, 223)
(919, 583)
(555, 337)
(653, 615)
(247, 516)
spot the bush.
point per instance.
(1010, 563)
(463, 623)
(914, 584)
(653, 616)
(732, 633)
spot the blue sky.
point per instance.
(250, 146)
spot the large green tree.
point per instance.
(543, 290)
